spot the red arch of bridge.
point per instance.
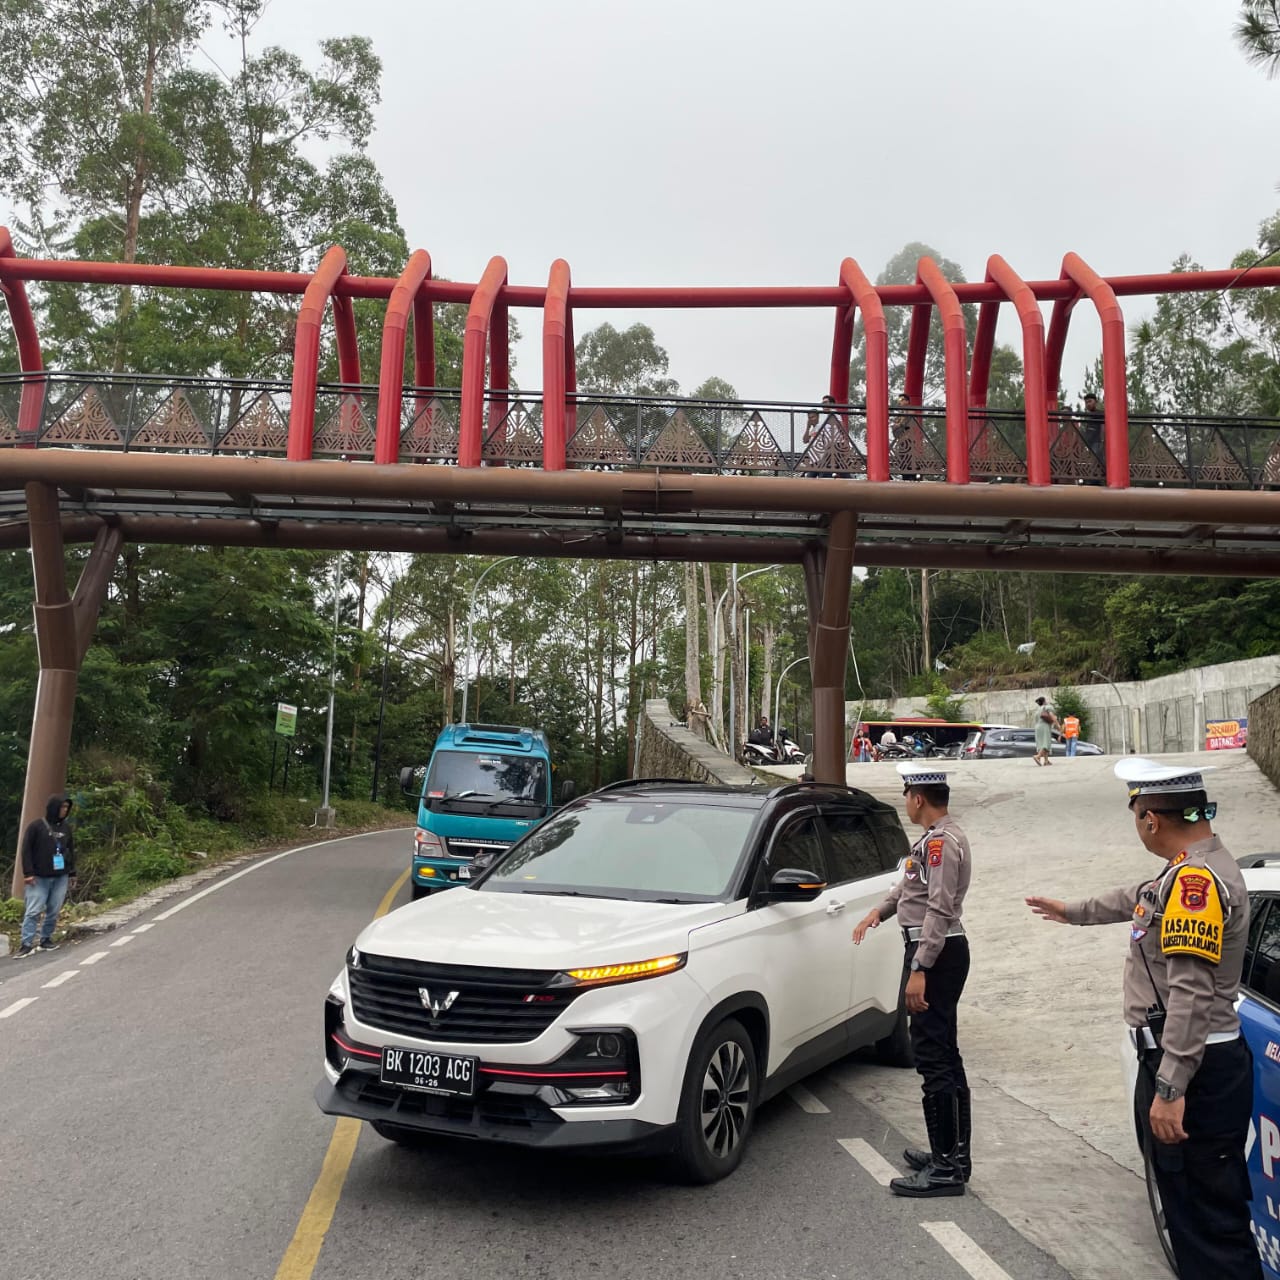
(306, 349)
(1020, 293)
(1115, 386)
(30, 359)
(942, 293)
(407, 296)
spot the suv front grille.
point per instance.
(492, 1006)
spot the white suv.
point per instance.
(636, 974)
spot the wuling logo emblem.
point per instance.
(1195, 892)
(434, 1006)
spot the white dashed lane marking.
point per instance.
(120, 942)
(807, 1102)
(65, 976)
(142, 928)
(93, 959)
(976, 1262)
(17, 1006)
(870, 1159)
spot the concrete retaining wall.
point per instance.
(1165, 714)
(669, 750)
(1264, 733)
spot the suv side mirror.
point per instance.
(791, 884)
(568, 790)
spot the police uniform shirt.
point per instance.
(1189, 927)
(935, 879)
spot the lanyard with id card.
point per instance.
(59, 860)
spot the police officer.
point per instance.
(928, 903)
(1188, 929)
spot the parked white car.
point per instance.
(637, 974)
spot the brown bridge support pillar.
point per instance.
(828, 576)
(64, 628)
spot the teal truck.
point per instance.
(486, 785)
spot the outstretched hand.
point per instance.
(869, 921)
(1049, 909)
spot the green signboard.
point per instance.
(286, 720)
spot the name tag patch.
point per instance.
(1192, 923)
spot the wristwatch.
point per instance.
(1167, 1092)
(917, 967)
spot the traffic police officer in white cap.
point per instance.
(1188, 929)
(928, 902)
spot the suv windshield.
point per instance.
(458, 775)
(630, 848)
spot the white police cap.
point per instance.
(919, 775)
(1145, 777)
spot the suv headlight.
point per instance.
(629, 971)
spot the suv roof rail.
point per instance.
(1253, 860)
(786, 787)
(646, 782)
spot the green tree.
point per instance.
(1257, 32)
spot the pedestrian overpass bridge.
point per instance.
(488, 468)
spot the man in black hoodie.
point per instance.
(48, 869)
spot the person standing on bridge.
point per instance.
(928, 902)
(48, 870)
(1188, 928)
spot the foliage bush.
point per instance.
(942, 703)
(1068, 702)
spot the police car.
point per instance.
(1259, 1007)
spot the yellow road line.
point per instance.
(303, 1253)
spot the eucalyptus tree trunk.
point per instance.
(768, 642)
(692, 672)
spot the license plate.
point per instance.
(448, 1073)
(464, 873)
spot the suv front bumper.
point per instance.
(510, 1114)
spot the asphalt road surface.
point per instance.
(158, 1124)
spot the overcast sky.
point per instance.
(700, 142)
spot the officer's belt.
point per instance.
(912, 934)
(1144, 1038)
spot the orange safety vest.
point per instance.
(1071, 727)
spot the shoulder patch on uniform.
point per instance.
(935, 852)
(1192, 924)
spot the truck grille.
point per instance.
(458, 847)
(492, 1006)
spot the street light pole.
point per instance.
(734, 581)
(382, 701)
(333, 685)
(777, 693)
(1124, 711)
(471, 607)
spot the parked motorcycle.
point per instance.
(780, 751)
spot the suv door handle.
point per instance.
(834, 908)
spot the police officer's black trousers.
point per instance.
(933, 1032)
(1204, 1182)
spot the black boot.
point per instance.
(941, 1176)
(964, 1130)
(914, 1158)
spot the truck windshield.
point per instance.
(459, 775)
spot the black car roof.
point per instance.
(668, 790)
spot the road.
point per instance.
(158, 1123)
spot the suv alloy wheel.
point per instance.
(718, 1105)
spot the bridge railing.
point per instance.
(251, 416)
